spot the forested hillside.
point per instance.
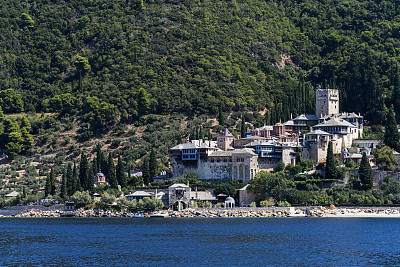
(114, 61)
(136, 77)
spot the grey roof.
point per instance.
(335, 122)
(288, 123)
(318, 132)
(253, 137)
(262, 143)
(229, 200)
(348, 115)
(179, 185)
(265, 127)
(202, 195)
(140, 194)
(184, 146)
(12, 194)
(204, 143)
(307, 117)
(226, 133)
(221, 153)
(343, 115)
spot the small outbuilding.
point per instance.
(229, 202)
(12, 194)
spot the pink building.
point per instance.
(99, 178)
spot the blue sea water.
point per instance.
(199, 241)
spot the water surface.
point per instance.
(199, 241)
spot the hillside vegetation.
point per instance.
(143, 74)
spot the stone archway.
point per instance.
(241, 176)
(183, 205)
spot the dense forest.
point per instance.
(115, 61)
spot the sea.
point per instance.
(199, 241)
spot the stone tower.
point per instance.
(225, 140)
(326, 102)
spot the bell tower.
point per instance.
(326, 102)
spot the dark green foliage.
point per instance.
(76, 181)
(63, 189)
(146, 171)
(385, 159)
(225, 188)
(50, 187)
(111, 174)
(153, 165)
(391, 133)
(121, 174)
(365, 173)
(189, 58)
(221, 115)
(71, 184)
(90, 180)
(330, 166)
(84, 178)
(279, 166)
(243, 127)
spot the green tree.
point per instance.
(243, 127)
(279, 166)
(152, 165)
(391, 133)
(111, 175)
(47, 187)
(143, 101)
(50, 187)
(84, 172)
(77, 182)
(121, 174)
(82, 66)
(330, 167)
(12, 138)
(221, 115)
(365, 173)
(90, 180)
(146, 171)
(385, 159)
(63, 191)
(81, 199)
(70, 180)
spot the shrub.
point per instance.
(81, 198)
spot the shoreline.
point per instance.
(271, 212)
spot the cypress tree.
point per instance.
(121, 175)
(146, 171)
(391, 133)
(152, 165)
(221, 115)
(47, 187)
(84, 172)
(52, 183)
(95, 166)
(330, 167)
(99, 156)
(365, 173)
(70, 180)
(112, 178)
(77, 182)
(90, 180)
(243, 127)
(63, 193)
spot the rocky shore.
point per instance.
(224, 213)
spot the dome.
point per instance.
(100, 174)
(230, 199)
